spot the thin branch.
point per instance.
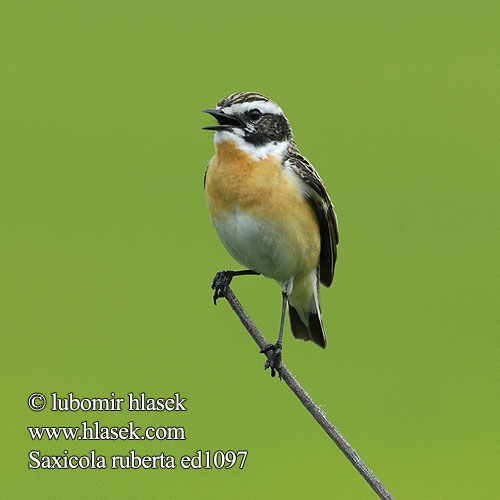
(306, 400)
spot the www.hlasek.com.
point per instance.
(95, 431)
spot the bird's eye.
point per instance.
(254, 114)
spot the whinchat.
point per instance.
(271, 210)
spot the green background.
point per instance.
(107, 249)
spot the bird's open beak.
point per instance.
(225, 121)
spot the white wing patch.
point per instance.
(306, 190)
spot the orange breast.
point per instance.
(266, 190)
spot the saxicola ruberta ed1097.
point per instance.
(271, 210)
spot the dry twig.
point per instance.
(305, 399)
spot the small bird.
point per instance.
(271, 210)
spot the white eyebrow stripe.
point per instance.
(262, 106)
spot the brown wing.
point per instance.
(323, 208)
(205, 176)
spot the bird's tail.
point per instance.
(305, 310)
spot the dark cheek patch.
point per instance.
(271, 128)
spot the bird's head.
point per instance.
(251, 120)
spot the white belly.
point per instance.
(258, 245)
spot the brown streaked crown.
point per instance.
(240, 97)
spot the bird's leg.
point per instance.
(275, 361)
(222, 280)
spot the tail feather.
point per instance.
(299, 329)
(315, 331)
(305, 316)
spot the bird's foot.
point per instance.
(220, 282)
(274, 361)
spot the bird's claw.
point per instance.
(273, 362)
(220, 282)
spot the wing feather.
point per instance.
(323, 208)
